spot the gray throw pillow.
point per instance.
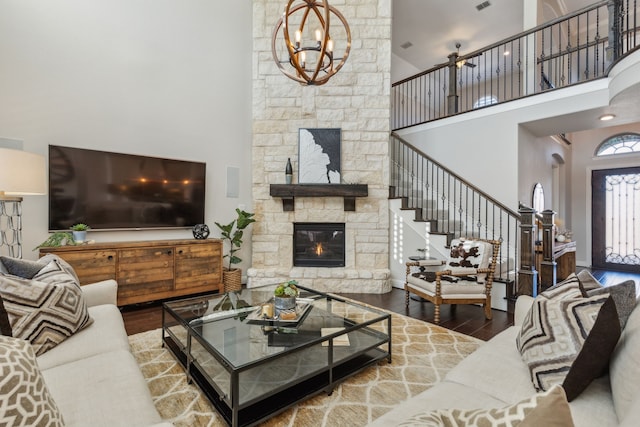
(20, 267)
(624, 297)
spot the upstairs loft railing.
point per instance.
(453, 206)
(573, 49)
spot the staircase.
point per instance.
(439, 205)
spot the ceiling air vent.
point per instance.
(483, 5)
(406, 45)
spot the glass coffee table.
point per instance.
(251, 367)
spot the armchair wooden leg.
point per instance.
(406, 296)
(487, 311)
(436, 316)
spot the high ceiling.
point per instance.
(433, 27)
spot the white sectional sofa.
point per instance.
(92, 376)
(495, 376)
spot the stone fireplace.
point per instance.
(356, 100)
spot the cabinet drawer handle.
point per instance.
(110, 257)
(180, 252)
(169, 252)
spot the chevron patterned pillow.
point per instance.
(568, 339)
(45, 310)
(543, 409)
(26, 399)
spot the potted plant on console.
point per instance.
(233, 232)
(80, 232)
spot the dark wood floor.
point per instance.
(466, 319)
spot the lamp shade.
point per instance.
(22, 173)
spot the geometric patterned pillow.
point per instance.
(568, 339)
(45, 310)
(66, 267)
(25, 398)
(542, 409)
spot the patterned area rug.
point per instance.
(422, 354)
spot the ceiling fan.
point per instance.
(459, 63)
(463, 62)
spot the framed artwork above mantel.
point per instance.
(319, 156)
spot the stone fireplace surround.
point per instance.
(356, 100)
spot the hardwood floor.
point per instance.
(466, 319)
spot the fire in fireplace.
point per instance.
(318, 244)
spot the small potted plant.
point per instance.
(232, 233)
(80, 232)
(284, 296)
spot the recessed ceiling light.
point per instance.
(606, 117)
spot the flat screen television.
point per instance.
(113, 191)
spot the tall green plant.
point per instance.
(233, 232)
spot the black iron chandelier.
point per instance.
(302, 44)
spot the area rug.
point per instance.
(422, 354)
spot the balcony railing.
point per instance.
(573, 49)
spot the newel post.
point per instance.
(548, 265)
(527, 274)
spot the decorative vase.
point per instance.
(288, 172)
(232, 279)
(284, 303)
(79, 236)
(200, 231)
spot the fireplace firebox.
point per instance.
(318, 244)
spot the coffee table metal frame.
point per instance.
(198, 347)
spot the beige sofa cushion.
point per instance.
(624, 369)
(107, 333)
(478, 370)
(103, 390)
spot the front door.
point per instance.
(615, 223)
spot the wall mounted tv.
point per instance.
(112, 191)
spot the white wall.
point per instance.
(536, 160)
(401, 69)
(162, 78)
(482, 146)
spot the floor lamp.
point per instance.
(21, 174)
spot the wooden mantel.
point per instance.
(288, 193)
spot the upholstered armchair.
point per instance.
(465, 277)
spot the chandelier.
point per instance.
(302, 44)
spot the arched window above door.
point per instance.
(624, 143)
(537, 198)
